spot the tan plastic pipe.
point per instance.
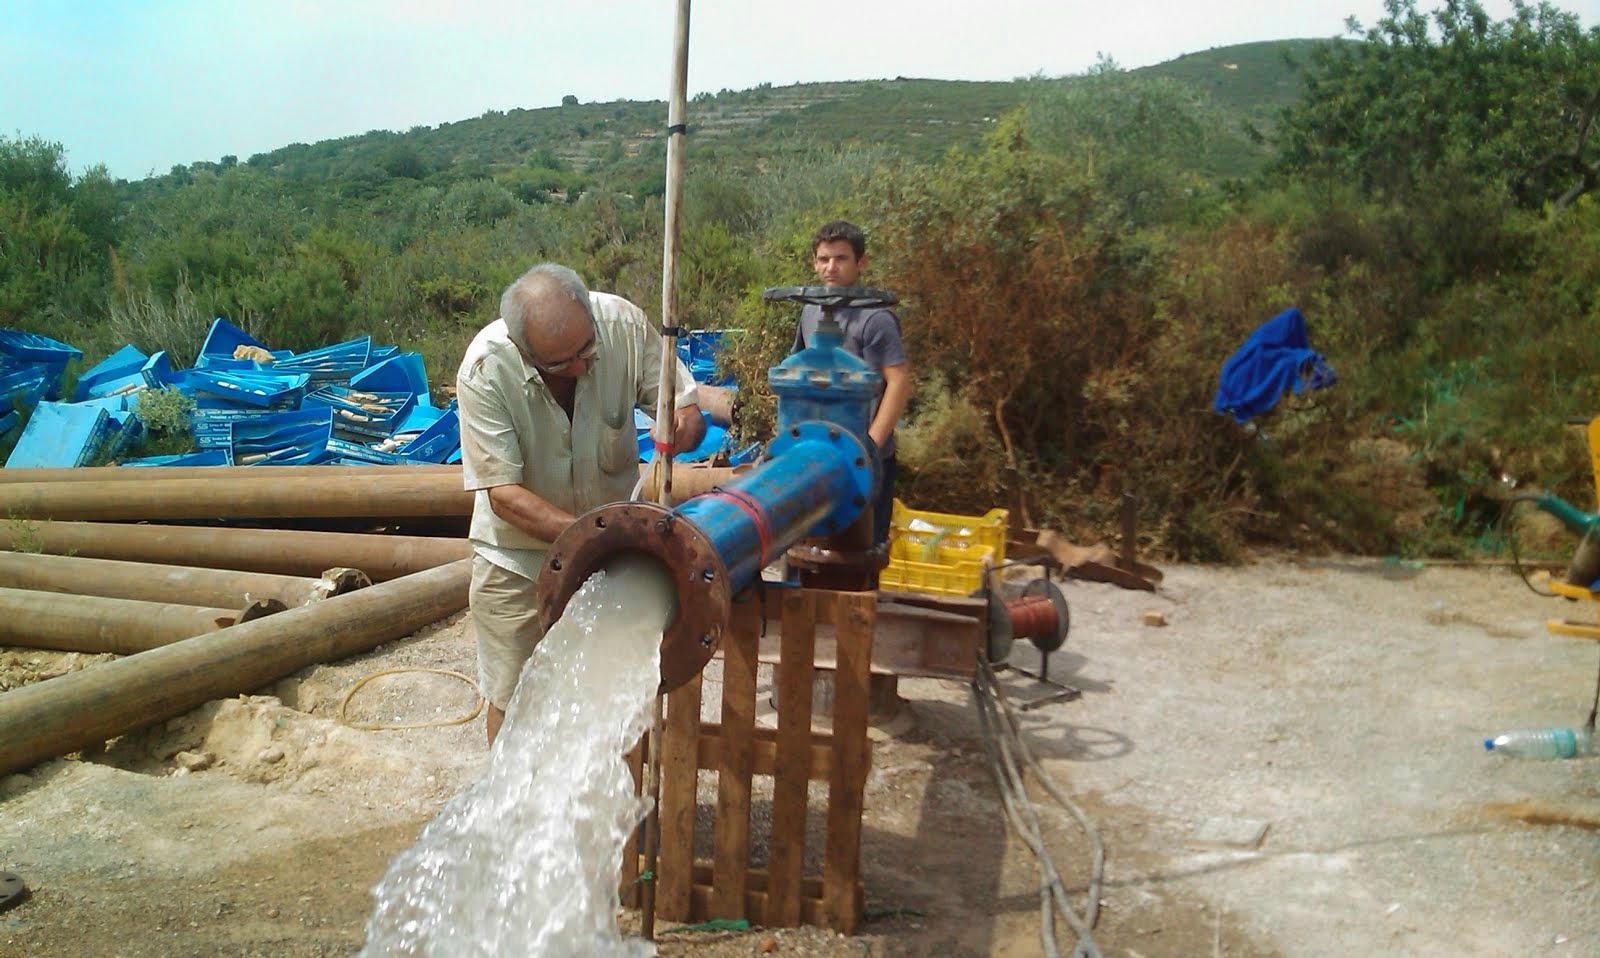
(92, 623)
(146, 473)
(155, 582)
(254, 494)
(717, 402)
(276, 551)
(84, 708)
(258, 496)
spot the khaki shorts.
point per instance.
(506, 614)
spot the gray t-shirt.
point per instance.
(871, 333)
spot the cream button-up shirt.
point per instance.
(514, 431)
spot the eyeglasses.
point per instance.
(584, 355)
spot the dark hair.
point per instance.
(840, 230)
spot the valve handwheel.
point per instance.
(831, 297)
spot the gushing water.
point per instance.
(524, 862)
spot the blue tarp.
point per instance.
(1275, 358)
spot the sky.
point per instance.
(142, 85)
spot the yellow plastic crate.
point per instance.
(961, 578)
(918, 528)
(936, 552)
(941, 552)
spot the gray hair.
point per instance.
(532, 291)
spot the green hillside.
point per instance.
(620, 144)
(1076, 258)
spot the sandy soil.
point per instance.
(1341, 705)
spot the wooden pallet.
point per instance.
(692, 886)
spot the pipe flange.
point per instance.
(1058, 638)
(700, 581)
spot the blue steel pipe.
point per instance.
(814, 482)
(817, 479)
(715, 544)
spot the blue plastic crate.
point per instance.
(157, 370)
(121, 386)
(205, 457)
(337, 362)
(402, 373)
(261, 390)
(221, 340)
(363, 413)
(127, 361)
(122, 431)
(213, 428)
(437, 442)
(34, 347)
(347, 453)
(21, 387)
(60, 435)
(288, 438)
(418, 420)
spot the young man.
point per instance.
(839, 257)
(547, 394)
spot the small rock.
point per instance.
(271, 755)
(1242, 833)
(1155, 618)
(272, 912)
(193, 761)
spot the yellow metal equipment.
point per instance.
(1572, 590)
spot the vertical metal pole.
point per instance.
(677, 108)
(1130, 530)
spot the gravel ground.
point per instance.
(1337, 705)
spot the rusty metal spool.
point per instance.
(1039, 615)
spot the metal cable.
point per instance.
(1097, 851)
(1003, 743)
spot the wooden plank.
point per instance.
(792, 679)
(679, 774)
(959, 604)
(764, 751)
(628, 878)
(734, 760)
(756, 895)
(910, 640)
(756, 903)
(841, 862)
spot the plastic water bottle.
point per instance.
(1542, 743)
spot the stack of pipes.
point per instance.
(196, 576)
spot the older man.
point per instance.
(547, 394)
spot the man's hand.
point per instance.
(688, 428)
(896, 393)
